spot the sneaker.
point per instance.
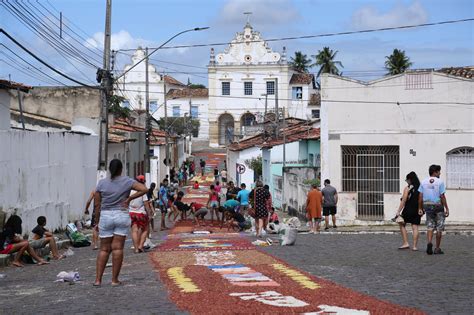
(438, 251)
(334, 226)
(326, 228)
(429, 249)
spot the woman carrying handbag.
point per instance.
(408, 211)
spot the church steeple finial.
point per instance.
(248, 19)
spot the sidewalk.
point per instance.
(390, 228)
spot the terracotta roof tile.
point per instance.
(315, 99)
(171, 80)
(186, 93)
(5, 84)
(464, 72)
(295, 132)
(302, 78)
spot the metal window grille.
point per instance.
(418, 81)
(391, 167)
(225, 88)
(460, 168)
(270, 87)
(248, 88)
(315, 113)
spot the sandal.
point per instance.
(404, 247)
(118, 284)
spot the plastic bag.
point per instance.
(287, 235)
(294, 222)
(68, 253)
(71, 276)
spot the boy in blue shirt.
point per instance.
(432, 201)
(243, 197)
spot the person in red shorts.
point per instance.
(10, 242)
(139, 210)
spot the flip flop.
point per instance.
(42, 263)
(414, 249)
(404, 247)
(19, 265)
(118, 284)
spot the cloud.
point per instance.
(370, 17)
(264, 13)
(120, 40)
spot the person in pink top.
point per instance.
(213, 202)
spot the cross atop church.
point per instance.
(248, 16)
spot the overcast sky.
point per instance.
(150, 22)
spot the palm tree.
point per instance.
(397, 62)
(300, 62)
(325, 60)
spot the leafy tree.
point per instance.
(300, 62)
(196, 86)
(397, 62)
(255, 164)
(325, 60)
(116, 108)
(180, 125)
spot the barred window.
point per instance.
(248, 88)
(460, 168)
(225, 88)
(377, 160)
(270, 87)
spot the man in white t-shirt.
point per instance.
(432, 201)
(139, 210)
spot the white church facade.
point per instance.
(245, 82)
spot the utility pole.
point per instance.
(148, 122)
(266, 107)
(104, 76)
(190, 125)
(167, 147)
(277, 114)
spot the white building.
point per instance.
(373, 134)
(240, 77)
(182, 102)
(132, 86)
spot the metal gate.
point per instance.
(370, 186)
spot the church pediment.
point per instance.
(248, 47)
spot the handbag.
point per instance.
(399, 219)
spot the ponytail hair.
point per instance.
(115, 168)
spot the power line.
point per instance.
(34, 76)
(41, 30)
(383, 29)
(33, 66)
(45, 63)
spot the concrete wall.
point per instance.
(295, 189)
(239, 157)
(61, 103)
(431, 130)
(48, 174)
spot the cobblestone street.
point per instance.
(371, 264)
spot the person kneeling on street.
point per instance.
(181, 206)
(199, 211)
(11, 243)
(236, 220)
(42, 237)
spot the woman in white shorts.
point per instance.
(111, 200)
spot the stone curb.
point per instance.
(466, 233)
(5, 260)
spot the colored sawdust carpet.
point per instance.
(215, 272)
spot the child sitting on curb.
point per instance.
(42, 237)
